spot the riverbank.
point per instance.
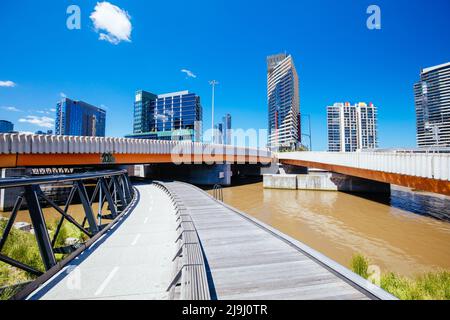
(429, 286)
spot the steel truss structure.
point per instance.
(112, 187)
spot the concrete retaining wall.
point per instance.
(326, 181)
(280, 181)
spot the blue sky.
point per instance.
(337, 58)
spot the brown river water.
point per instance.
(394, 232)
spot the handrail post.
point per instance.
(119, 191)
(126, 187)
(86, 206)
(40, 228)
(109, 199)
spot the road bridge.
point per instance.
(30, 150)
(425, 171)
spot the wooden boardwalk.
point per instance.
(247, 259)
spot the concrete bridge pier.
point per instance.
(326, 181)
(8, 196)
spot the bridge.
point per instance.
(205, 163)
(425, 171)
(30, 150)
(171, 240)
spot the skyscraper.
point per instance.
(283, 102)
(222, 134)
(175, 115)
(226, 131)
(432, 100)
(6, 126)
(352, 127)
(78, 118)
(218, 133)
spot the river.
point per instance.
(395, 233)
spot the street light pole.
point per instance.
(213, 84)
(309, 134)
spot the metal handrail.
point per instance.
(218, 192)
(12, 182)
(118, 193)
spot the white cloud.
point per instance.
(7, 83)
(44, 122)
(12, 109)
(111, 22)
(44, 111)
(189, 73)
(62, 95)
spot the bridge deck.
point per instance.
(131, 261)
(248, 260)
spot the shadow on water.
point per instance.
(236, 181)
(435, 206)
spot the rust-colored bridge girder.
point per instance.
(414, 182)
(82, 159)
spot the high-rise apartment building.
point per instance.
(170, 116)
(6, 126)
(283, 100)
(352, 127)
(78, 118)
(432, 100)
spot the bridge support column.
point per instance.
(8, 196)
(210, 174)
(326, 181)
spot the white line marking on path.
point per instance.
(136, 239)
(145, 220)
(106, 281)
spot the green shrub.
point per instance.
(428, 286)
(360, 265)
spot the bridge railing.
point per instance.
(20, 143)
(426, 165)
(113, 193)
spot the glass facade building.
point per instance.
(432, 100)
(226, 131)
(6, 126)
(170, 116)
(78, 118)
(222, 134)
(352, 127)
(283, 99)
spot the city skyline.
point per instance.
(382, 70)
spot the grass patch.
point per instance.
(22, 246)
(68, 230)
(360, 265)
(427, 286)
